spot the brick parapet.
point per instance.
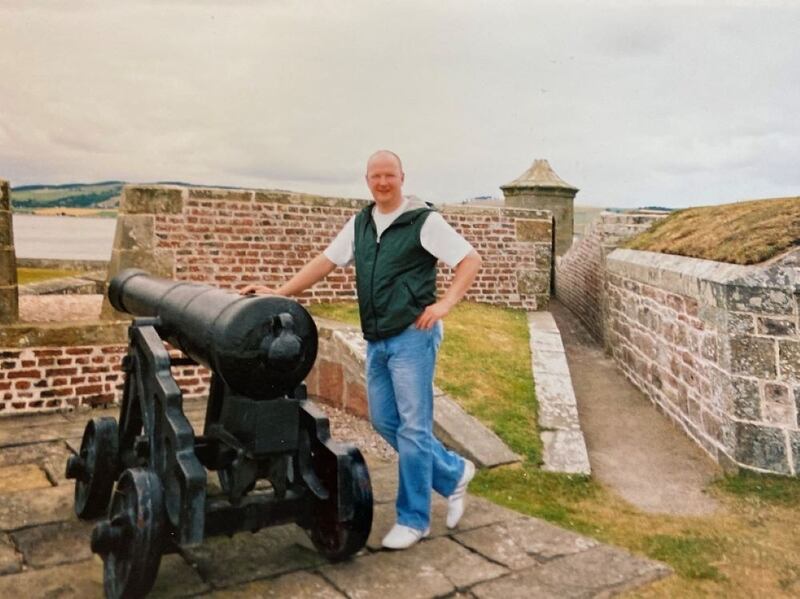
(716, 347)
(233, 237)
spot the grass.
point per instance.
(748, 548)
(763, 488)
(36, 275)
(65, 211)
(740, 233)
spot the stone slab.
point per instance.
(42, 434)
(553, 388)
(384, 482)
(460, 431)
(564, 445)
(37, 506)
(479, 513)
(176, 578)
(50, 455)
(562, 416)
(82, 579)
(565, 451)
(550, 361)
(524, 542)
(55, 544)
(297, 585)
(10, 558)
(268, 552)
(546, 340)
(434, 568)
(85, 579)
(22, 477)
(600, 571)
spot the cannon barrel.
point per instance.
(261, 346)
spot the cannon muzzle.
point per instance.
(261, 346)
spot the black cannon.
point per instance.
(259, 426)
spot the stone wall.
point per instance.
(233, 237)
(716, 347)
(580, 273)
(9, 307)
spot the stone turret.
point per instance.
(9, 296)
(539, 187)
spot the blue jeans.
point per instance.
(400, 395)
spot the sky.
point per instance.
(635, 103)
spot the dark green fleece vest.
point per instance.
(396, 278)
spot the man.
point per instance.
(395, 243)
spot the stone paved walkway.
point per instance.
(495, 553)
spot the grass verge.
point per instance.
(36, 275)
(748, 548)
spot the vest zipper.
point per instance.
(372, 285)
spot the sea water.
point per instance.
(63, 237)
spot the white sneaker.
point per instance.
(402, 537)
(456, 501)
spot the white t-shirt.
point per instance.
(436, 236)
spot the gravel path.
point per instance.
(351, 429)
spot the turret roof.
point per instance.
(540, 174)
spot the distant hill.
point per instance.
(103, 195)
(80, 198)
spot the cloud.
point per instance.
(631, 102)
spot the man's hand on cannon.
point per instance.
(312, 272)
(257, 290)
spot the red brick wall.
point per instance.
(230, 238)
(50, 378)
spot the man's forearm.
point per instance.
(465, 272)
(312, 272)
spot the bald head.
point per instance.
(385, 180)
(385, 154)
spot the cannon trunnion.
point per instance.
(147, 475)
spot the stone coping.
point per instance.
(560, 429)
(148, 199)
(91, 282)
(58, 264)
(690, 276)
(64, 334)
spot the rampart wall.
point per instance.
(714, 346)
(580, 273)
(228, 238)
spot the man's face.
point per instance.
(385, 180)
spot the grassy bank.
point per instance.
(740, 233)
(749, 548)
(36, 275)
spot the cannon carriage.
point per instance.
(147, 474)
